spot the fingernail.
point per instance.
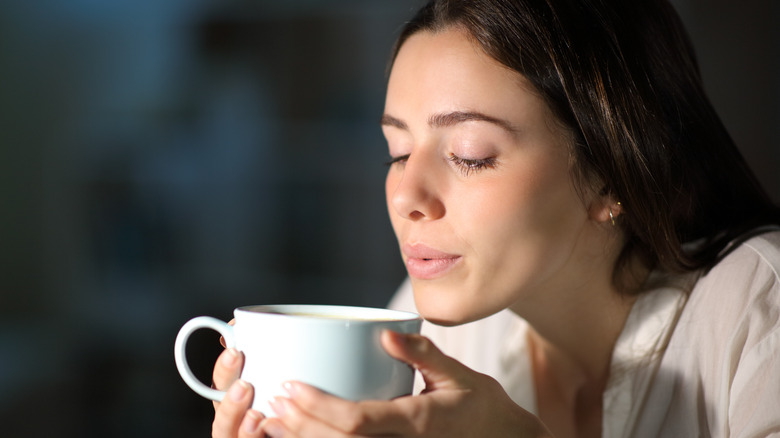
(272, 428)
(252, 421)
(238, 390)
(290, 389)
(230, 358)
(277, 404)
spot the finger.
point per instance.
(231, 411)
(274, 428)
(370, 417)
(227, 369)
(222, 338)
(250, 425)
(292, 421)
(439, 371)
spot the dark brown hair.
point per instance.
(622, 77)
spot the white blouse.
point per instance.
(687, 364)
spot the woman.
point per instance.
(563, 193)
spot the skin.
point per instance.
(480, 177)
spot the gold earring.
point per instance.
(611, 217)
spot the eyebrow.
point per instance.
(443, 120)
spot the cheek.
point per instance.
(529, 205)
(497, 203)
(391, 182)
(388, 188)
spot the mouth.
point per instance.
(425, 263)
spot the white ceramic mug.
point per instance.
(334, 348)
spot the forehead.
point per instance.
(447, 71)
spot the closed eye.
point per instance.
(467, 166)
(395, 160)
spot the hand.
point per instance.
(457, 401)
(232, 417)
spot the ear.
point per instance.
(601, 208)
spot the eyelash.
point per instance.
(398, 159)
(465, 165)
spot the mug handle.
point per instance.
(179, 352)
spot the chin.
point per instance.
(435, 319)
(444, 308)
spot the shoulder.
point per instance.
(719, 373)
(732, 327)
(736, 304)
(749, 272)
(765, 248)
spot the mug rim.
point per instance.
(334, 313)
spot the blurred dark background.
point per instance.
(162, 159)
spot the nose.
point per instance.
(413, 191)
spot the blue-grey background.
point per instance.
(162, 159)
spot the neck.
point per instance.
(575, 323)
(578, 341)
(571, 344)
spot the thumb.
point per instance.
(438, 370)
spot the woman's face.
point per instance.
(479, 192)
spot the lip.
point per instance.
(427, 263)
